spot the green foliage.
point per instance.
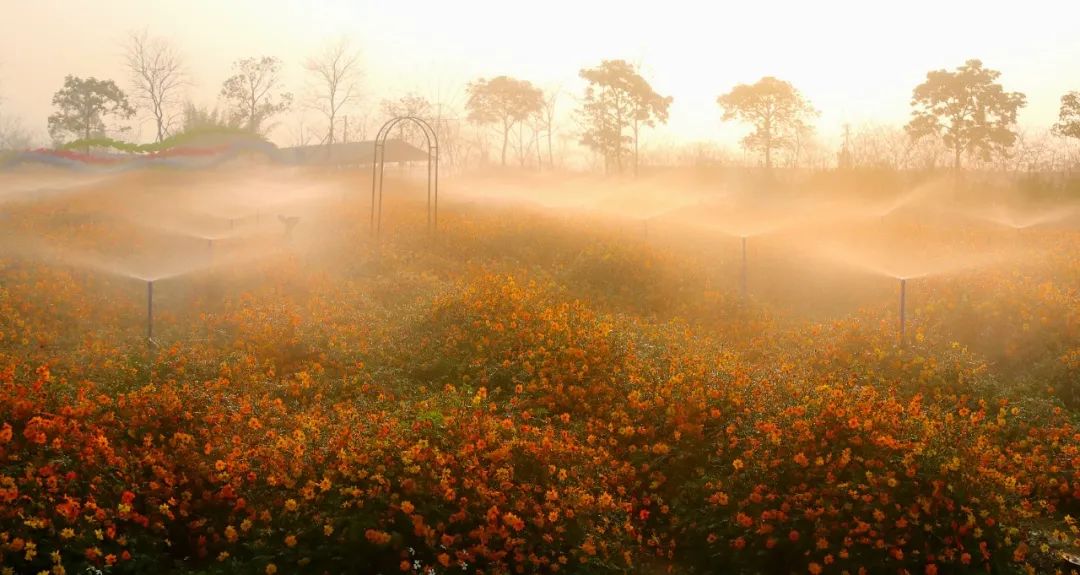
(181, 139)
(774, 107)
(967, 108)
(83, 106)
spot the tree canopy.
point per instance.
(252, 92)
(967, 108)
(83, 105)
(504, 101)
(776, 110)
(617, 99)
(1068, 124)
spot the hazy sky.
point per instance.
(855, 60)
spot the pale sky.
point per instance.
(856, 61)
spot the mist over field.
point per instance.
(490, 288)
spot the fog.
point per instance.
(503, 288)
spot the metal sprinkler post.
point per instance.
(743, 267)
(903, 302)
(150, 312)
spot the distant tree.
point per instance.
(335, 72)
(1068, 124)
(252, 92)
(779, 113)
(158, 79)
(13, 135)
(967, 109)
(618, 99)
(408, 105)
(83, 105)
(546, 122)
(503, 101)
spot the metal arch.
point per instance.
(378, 161)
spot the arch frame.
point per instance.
(378, 162)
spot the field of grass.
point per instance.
(531, 389)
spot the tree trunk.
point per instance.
(539, 157)
(635, 148)
(551, 158)
(506, 136)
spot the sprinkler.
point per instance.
(903, 297)
(150, 312)
(743, 281)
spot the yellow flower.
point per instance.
(271, 569)
(328, 529)
(290, 505)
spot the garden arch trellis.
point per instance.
(378, 160)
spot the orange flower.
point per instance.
(588, 547)
(407, 507)
(814, 569)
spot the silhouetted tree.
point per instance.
(157, 79)
(408, 105)
(335, 71)
(83, 105)
(967, 109)
(617, 98)
(252, 92)
(1068, 124)
(503, 101)
(779, 113)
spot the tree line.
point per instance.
(964, 113)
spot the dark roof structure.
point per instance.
(350, 154)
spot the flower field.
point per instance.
(526, 392)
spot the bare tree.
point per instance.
(250, 95)
(335, 72)
(158, 79)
